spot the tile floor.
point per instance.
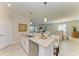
(67, 48)
(13, 50)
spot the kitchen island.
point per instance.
(36, 46)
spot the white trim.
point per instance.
(8, 10)
(5, 45)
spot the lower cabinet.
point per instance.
(46, 51)
(33, 49)
(25, 44)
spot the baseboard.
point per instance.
(4, 46)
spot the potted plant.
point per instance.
(74, 29)
(74, 33)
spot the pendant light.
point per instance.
(31, 22)
(45, 3)
(45, 19)
(31, 18)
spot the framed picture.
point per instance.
(22, 27)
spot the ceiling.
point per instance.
(52, 10)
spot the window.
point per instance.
(32, 28)
(62, 27)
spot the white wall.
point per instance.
(9, 26)
(17, 19)
(5, 27)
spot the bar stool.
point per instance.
(56, 46)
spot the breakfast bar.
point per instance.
(39, 46)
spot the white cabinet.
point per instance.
(46, 51)
(36, 46)
(33, 48)
(25, 44)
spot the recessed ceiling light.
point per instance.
(45, 19)
(9, 5)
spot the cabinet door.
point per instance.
(46, 51)
(34, 48)
(25, 44)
